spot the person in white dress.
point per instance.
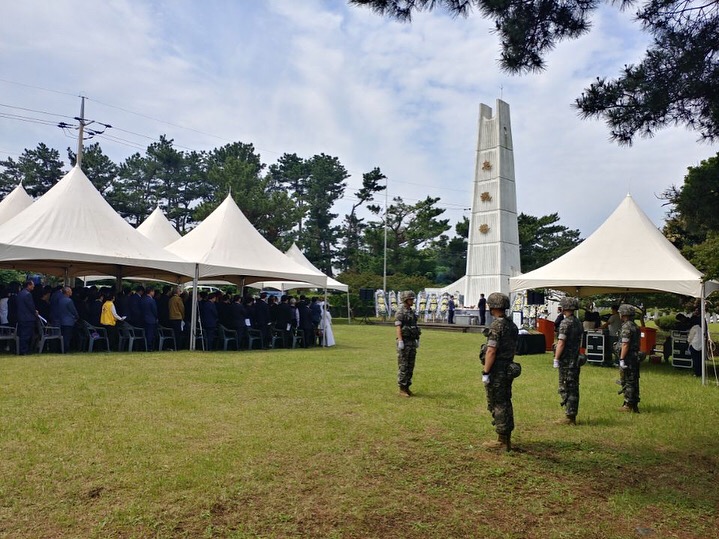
(328, 338)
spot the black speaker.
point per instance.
(535, 298)
(366, 294)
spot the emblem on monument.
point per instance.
(485, 197)
(484, 228)
(486, 165)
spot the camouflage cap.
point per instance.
(407, 294)
(497, 300)
(569, 303)
(626, 310)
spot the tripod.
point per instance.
(365, 309)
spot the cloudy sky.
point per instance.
(319, 76)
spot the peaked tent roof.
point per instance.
(626, 253)
(159, 229)
(228, 247)
(13, 203)
(73, 229)
(298, 256)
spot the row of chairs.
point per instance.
(133, 338)
(229, 338)
(48, 335)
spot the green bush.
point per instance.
(667, 323)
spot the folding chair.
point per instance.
(9, 333)
(298, 337)
(278, 336)
(95, 336)
(47, 334)
(129, 334)
(227, 336)
(253, 336)
(165, 334)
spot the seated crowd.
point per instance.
(86, 313)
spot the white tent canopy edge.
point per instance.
(626, 253)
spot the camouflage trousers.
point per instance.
(569, 389)
(630, 382)
(499, 399)
(405, 363)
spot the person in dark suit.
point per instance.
(26, 317)
(283, 320)
(209, 318)
(261, 319)
(316, 314)
(55, 298)
(306, 325)
(67, 317)
(482, 305)
(134, 312)
(239, 317)
(148, 313)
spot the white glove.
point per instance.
(417, 344)
(556, 363)
(622, 365)
(400, 345)
(485, 379)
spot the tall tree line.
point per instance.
(291, 200)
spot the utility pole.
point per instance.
(81, 131)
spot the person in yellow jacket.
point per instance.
(109, 319)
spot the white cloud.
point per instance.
(319, 76)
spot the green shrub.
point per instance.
(667, 323)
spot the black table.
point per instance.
(531, 344)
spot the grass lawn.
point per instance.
(318, 444)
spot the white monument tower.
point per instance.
(493, 245)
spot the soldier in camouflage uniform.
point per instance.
(407, 342)
(629, 338)
(566, 359)
(497, 375)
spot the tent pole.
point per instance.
(704, 341)
(349, 315)
(118, 279)
(193, 317)
(324, 321)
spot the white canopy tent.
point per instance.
(14, 202)
(159, 229)
(72, 230)
(298, 256)
(627, 253)
(227, 247)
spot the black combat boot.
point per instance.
(503, 442)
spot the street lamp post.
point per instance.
(384, 271)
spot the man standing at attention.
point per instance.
(407, 342)
(629, 359)
(566, 359)
(67, 317)
(450, 310)
(26, 318)
(482, 305)
(148, 310)
(497, 375)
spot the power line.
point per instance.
(37, 111)
(37, 87)
(132, 144)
